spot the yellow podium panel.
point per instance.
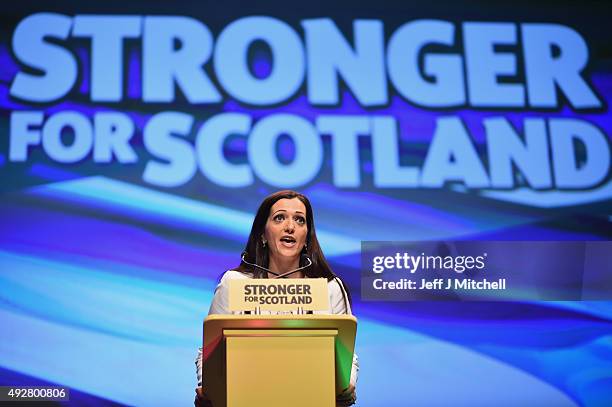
(291, 361)
(277, 360)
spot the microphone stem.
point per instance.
(276, 275)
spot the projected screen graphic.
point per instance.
(139, 139)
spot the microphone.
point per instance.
(277, 275)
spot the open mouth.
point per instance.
(288, 240)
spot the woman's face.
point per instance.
(286, 229)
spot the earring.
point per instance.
(305, 246)
(264, 243)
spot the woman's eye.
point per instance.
(279, 218)
(300, 220)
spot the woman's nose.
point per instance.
(289, 226)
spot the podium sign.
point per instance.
(307, 294)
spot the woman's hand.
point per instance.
(347, 397)
(201, 399)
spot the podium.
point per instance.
(277, 360)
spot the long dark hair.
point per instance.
(255, 252)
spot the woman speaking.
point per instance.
(283, 243)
